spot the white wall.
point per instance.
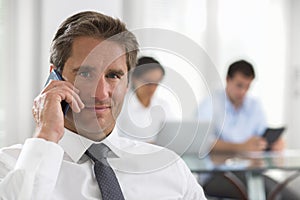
(292, 106)
(21, 56)
(257, 30)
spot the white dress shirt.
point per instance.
(42, 170)
(144, 123)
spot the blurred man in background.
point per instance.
(239, 128)
(245, 120)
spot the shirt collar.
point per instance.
(135, 101)
(75, 145)
(132, 156)
(230, 107)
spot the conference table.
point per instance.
(253, 164)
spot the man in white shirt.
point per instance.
(93, 53)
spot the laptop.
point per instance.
(186, 137)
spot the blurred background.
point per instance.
(261, 31)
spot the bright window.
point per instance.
(257, 30)
(1, 74)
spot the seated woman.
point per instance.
(145, 112)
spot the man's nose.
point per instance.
(102, 89)
(244, 90)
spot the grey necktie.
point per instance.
(106, 178)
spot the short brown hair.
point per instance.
(91, 24)
(242, 67)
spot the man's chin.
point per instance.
(94, 128)
(93, 136)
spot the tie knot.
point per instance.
(97, 152)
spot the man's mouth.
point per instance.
(98, 109)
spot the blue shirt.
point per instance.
(233, 125)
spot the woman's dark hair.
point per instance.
(145, 64)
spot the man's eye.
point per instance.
(84, 74)
(113, 76)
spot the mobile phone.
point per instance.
(55, 75)
(272, 134)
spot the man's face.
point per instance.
(148, 82)
(98, 69)
(237, 88)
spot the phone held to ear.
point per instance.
(55, 75)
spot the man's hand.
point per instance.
(278, 145)
(254, 144)
(47, 110)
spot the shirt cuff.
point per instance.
(39, 155)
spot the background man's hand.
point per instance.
(255, 144)
(278, 145)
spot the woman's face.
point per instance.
(147, 84)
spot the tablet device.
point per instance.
(272, 134)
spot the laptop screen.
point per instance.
(186, 137)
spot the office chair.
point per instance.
(274, 194)
(236, 189)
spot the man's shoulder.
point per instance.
(140, 157)
(252, 101)
(140, 147)
(155, 164)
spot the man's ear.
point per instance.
(227, 78)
